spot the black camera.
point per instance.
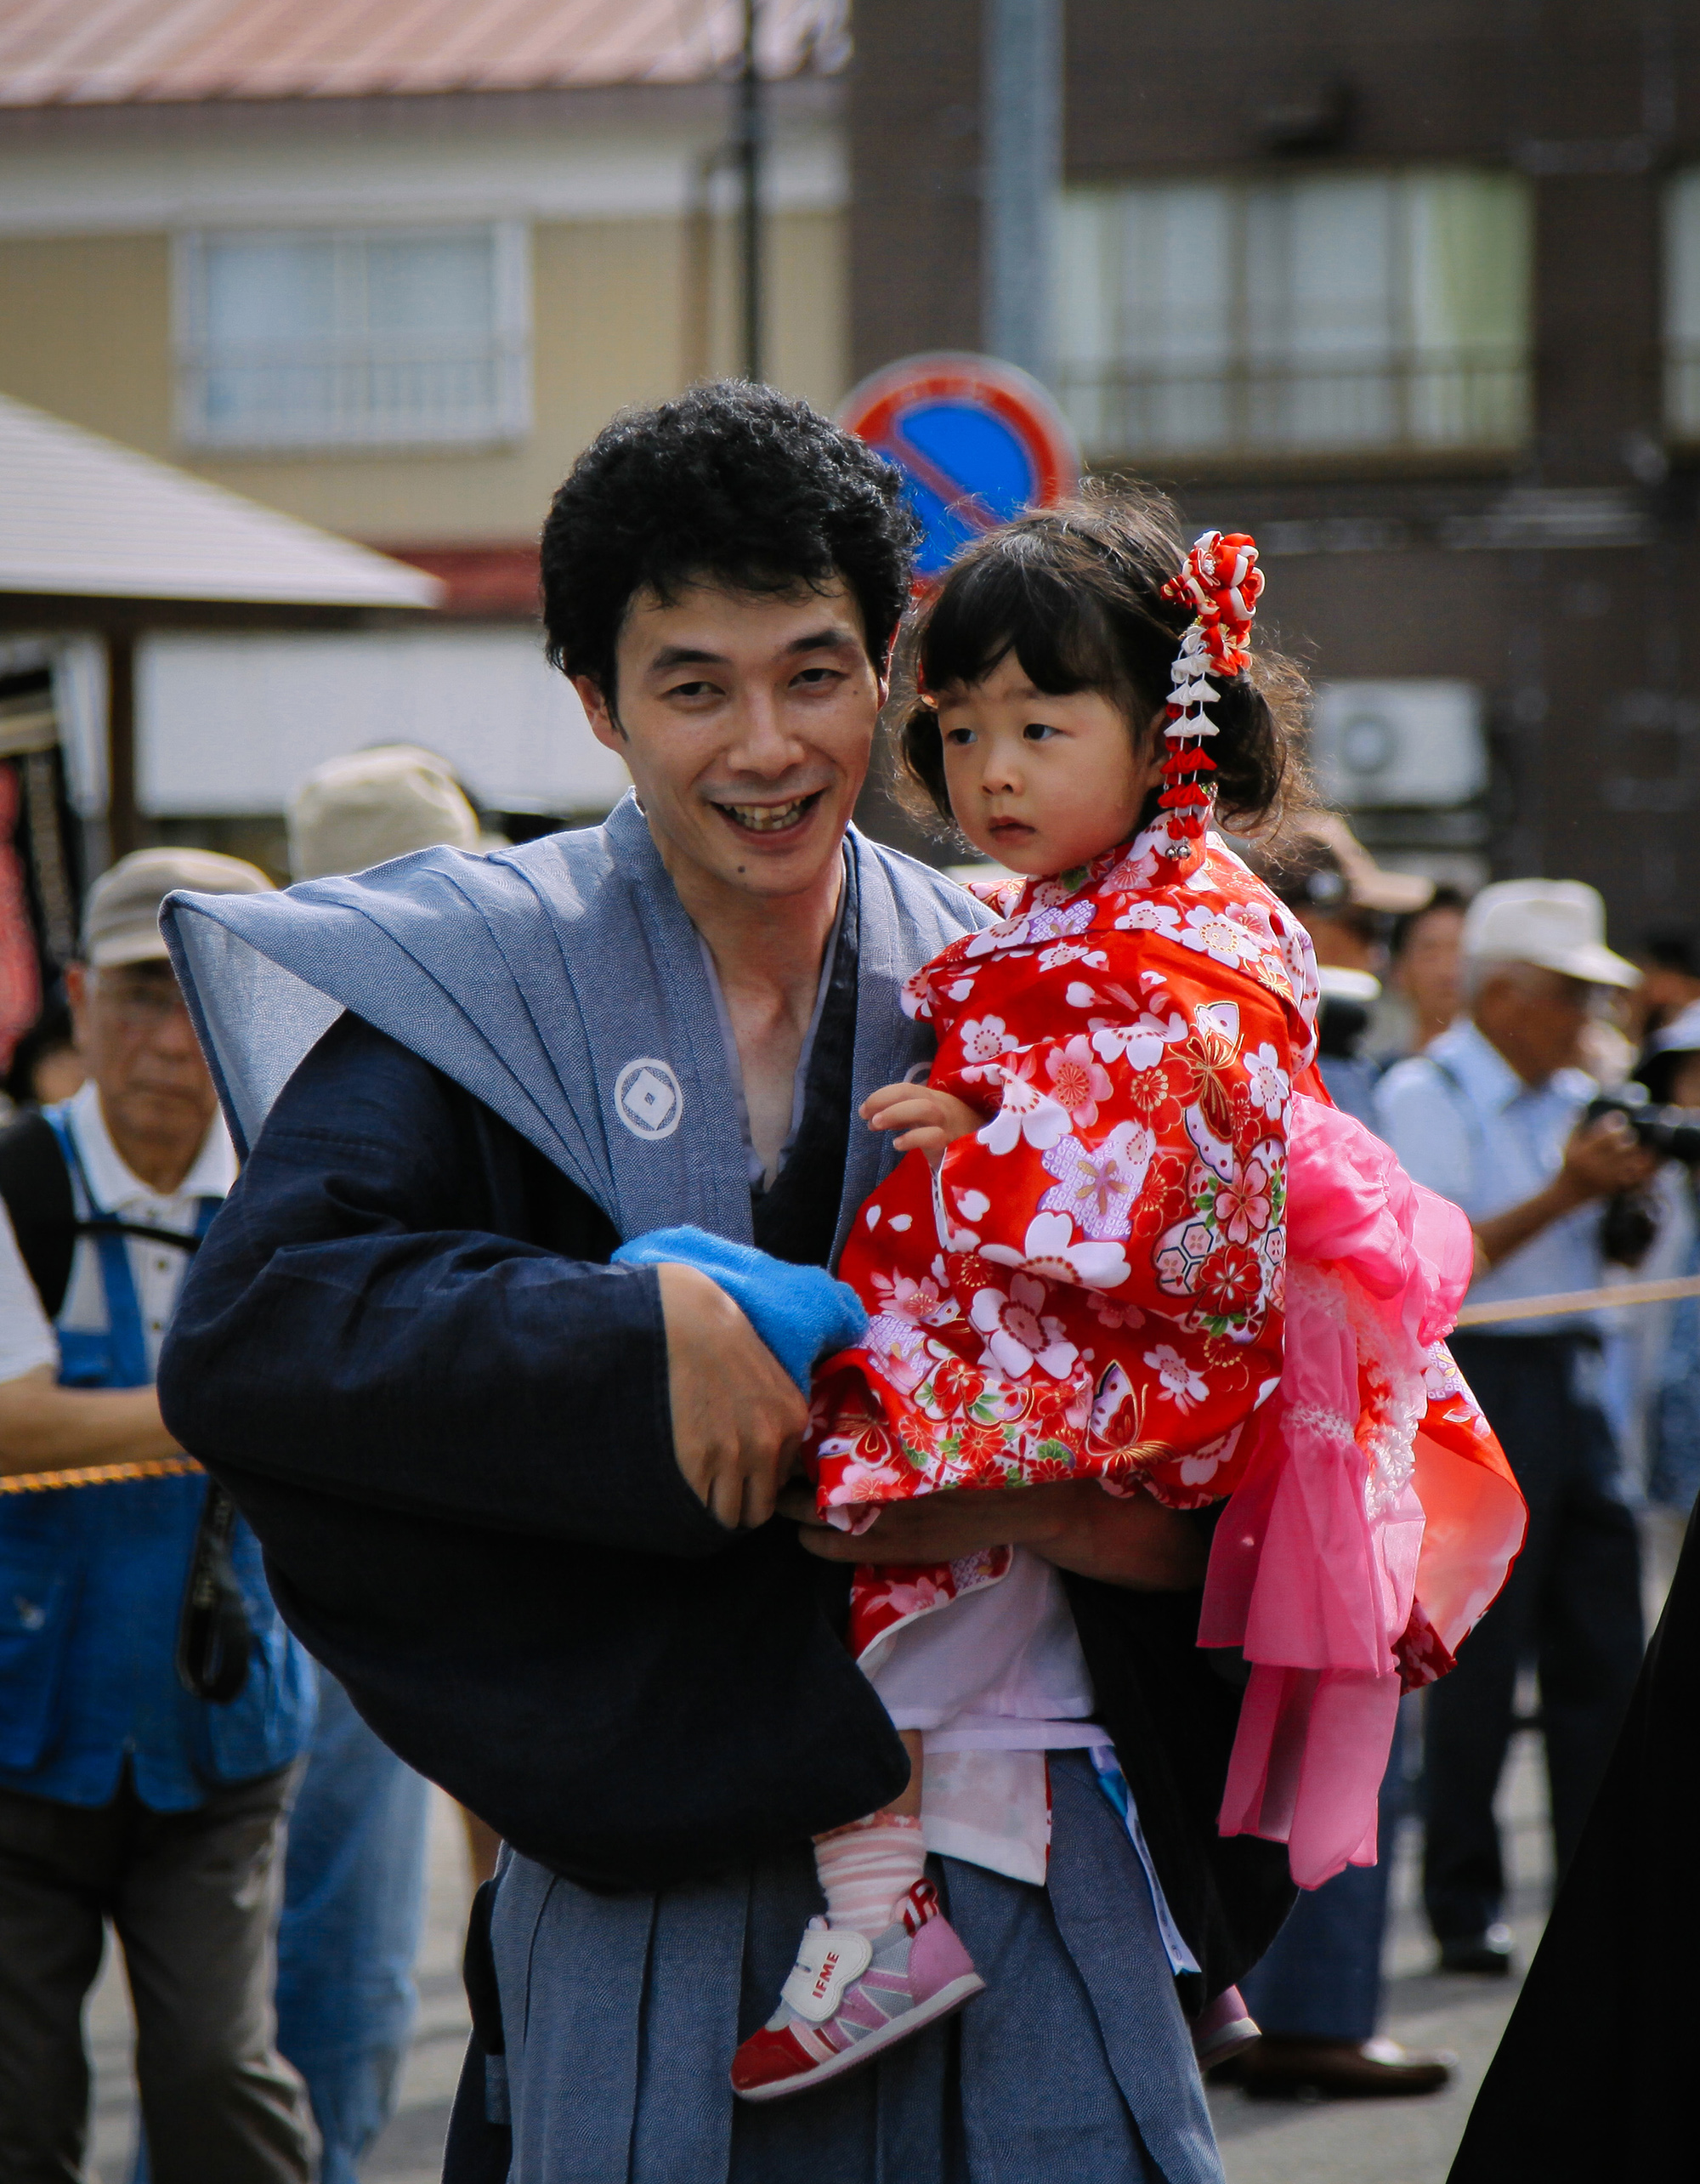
(1671, 1132)
(1627, 1224)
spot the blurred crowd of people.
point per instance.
(261, 1862)
(1473, 1036)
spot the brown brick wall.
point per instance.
(1587, 658)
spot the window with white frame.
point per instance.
(387, 337)
(1682, 306)
(1306, 314)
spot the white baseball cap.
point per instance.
(353, 813)
(1558, 925)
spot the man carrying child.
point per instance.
(518, 1498)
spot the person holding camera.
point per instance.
(147, 1740)
(1492, 1116)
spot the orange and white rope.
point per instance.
(97, 1475)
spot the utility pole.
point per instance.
(1022, 137)
(749, 150)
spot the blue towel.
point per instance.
(800, 1312)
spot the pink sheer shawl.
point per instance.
(1329, 1570)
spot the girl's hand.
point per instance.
(1129, 1540)
(930, 1121)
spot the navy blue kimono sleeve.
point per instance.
(402, 1303)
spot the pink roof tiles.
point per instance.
(130, 52)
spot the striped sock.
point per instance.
(866, 1867)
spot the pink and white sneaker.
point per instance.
(847, 1999)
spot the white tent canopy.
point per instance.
(81, 517)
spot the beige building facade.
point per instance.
(392, 288)
(622, 251)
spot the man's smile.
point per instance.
(770, 818)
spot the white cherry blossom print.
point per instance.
(1150, 917)
(1020, 1334)
(1097, 1184)
(1203, 1464)
(1078, 1080)
(1210, 932)
(1141, 1043)
(972, 1204)
(1267, 1082)
(1048, 1249)
(984, 1038)
(1181, 1384)
(1026, 1113)
(1070, 951)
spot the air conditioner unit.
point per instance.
(1407, 742)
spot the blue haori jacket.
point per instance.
(92, 1581)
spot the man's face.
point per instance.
(1535, 1016)
(1431, 964)
(746, 722)
(133, 1032)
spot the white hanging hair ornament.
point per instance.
(1221, 581)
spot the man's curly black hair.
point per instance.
(731, 482)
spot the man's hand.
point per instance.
(1133, 1541)
(1604, 1157)
(930, 1121)
(737, 1415)
(1601, 1157)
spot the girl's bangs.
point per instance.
(1058, 631)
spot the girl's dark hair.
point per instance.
(1075, 592)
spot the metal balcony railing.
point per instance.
(1456, 400)
(323, 395)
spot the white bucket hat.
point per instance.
(361, 810)
(1559, 925)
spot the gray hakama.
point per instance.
(621, 2012)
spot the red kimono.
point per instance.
(1095, 1285)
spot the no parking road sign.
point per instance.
(978, 441)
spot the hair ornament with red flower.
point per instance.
(1221, 581)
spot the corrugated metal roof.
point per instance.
(123, 52)
(81, 516)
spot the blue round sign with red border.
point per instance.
(977, 440)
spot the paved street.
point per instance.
(1380, 2143)
(1405, 2142)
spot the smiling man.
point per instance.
(516, 1497)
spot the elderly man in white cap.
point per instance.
(1491, 1116)
(151, 1703)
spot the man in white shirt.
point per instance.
(1491, 1116)
(144, 1781)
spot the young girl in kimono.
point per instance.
(1132, 1242)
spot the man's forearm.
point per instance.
(47, 1427)
(1509, 1231)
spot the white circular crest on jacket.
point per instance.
(646, 1098)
